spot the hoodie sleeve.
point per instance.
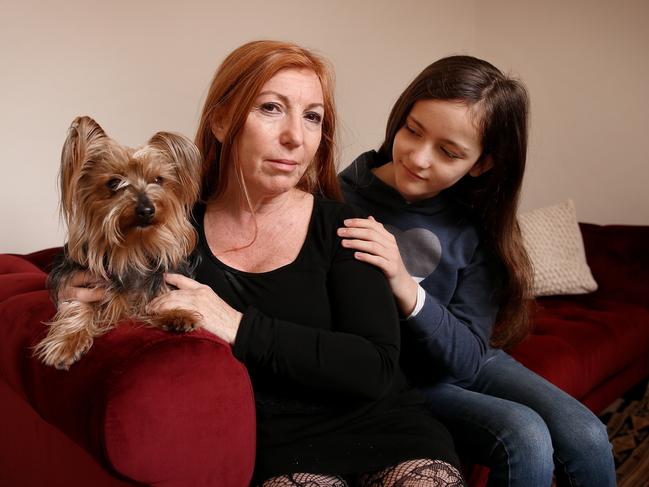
(454, 338)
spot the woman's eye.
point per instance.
(113, 184)
(270, 107)
(314, 117)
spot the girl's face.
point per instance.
(438, 145)
(282, 132)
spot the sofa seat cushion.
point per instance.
(13, 264)
(18, 276)
(20, 283)
(159, 408)
(579, 343)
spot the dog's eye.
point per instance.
(113, 184)
(159, 180)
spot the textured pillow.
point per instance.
(553, 241)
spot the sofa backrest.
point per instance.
(618, 256)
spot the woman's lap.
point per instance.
(369, 443)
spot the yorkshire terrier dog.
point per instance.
(128, 218)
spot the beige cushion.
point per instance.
(553, 241)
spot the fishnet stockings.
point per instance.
(413, 473)
(305, 480)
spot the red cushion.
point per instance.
(43, 258)
(578, 343)
(34, 453)
(618, 257)
(20, 283)
(159, 408)
(11, 264)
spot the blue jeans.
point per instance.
(523, 427)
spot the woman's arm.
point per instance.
(84, 287)
(358, 357)
(216, 316)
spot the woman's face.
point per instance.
(438, 145)
(282, 132)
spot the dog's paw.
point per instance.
(176, 321)
(61, 354)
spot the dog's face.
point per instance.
(126, 194)
(127, 209)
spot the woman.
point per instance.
(332, 403)
(446, 182)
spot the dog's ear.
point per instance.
(85, 140)
(185, 157)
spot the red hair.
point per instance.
(235, 85)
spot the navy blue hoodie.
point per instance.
(448, 339)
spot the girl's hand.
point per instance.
(376, 246)
(83, 287)
(218, 317)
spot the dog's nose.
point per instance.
(144, 210)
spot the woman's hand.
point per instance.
(376, 246)
(218, 317)
(84, 287)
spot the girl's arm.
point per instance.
(454, 337)
(376, 246)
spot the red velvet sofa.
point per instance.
(595, 346)
(145, 407)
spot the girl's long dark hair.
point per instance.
(501, 107)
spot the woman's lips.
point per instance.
(286, 165)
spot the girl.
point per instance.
(446, 183)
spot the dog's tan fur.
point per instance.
(127, 214)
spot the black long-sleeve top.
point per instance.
(320, 338)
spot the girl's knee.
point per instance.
(582, 431)
(523, 453)
(527, 433)
(592, 437)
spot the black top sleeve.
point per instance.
(357, 356)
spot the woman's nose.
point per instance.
(292, 131)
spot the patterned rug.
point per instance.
(627, 420)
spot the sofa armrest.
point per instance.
(157, 408)
(43, 258)
(618, 258)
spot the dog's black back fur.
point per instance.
(149, 285)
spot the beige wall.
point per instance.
(143, 66)
(586, 64)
